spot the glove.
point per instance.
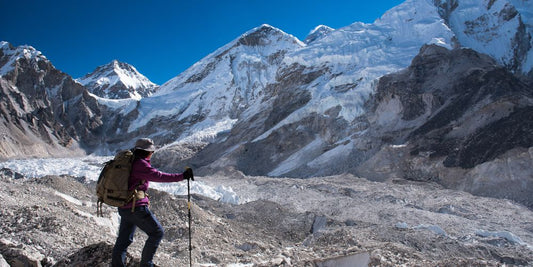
(188, 174)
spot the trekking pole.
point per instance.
(190, 220)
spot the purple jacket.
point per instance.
(142, 172)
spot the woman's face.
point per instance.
(150, 155)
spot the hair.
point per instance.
(141, 154)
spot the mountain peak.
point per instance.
(266, 28)
(118, 80)
(118, 66)
(12, 54)
(4, 44)
(265, 35)
(317, 33)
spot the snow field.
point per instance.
(90, 167)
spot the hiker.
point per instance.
(138, 214)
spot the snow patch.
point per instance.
(211, 130)
(68, 198)
(503, 234)
(325, 159)
(433, 228)
(127, 105)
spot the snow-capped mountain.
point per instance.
(12, 55)
(118, 80)
(43, 111)
(314, 119)
(266, 65)
(215, 91)
(266, 80)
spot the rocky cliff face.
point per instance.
(450, 113)
(44, 112)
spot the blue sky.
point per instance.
(161, 38)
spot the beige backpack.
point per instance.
(112, 186)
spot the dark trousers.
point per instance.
(143, 218)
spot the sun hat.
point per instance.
(145, 144)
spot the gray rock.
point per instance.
(52, 223)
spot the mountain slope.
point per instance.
(439, 122)
(118, 80)
(333, 78)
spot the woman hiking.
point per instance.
(136, 213)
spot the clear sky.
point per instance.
(161, 38)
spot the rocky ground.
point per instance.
(331, 221)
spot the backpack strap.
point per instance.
(134, 200)
(99, 212)
(138, 194)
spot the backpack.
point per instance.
(112, 186)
